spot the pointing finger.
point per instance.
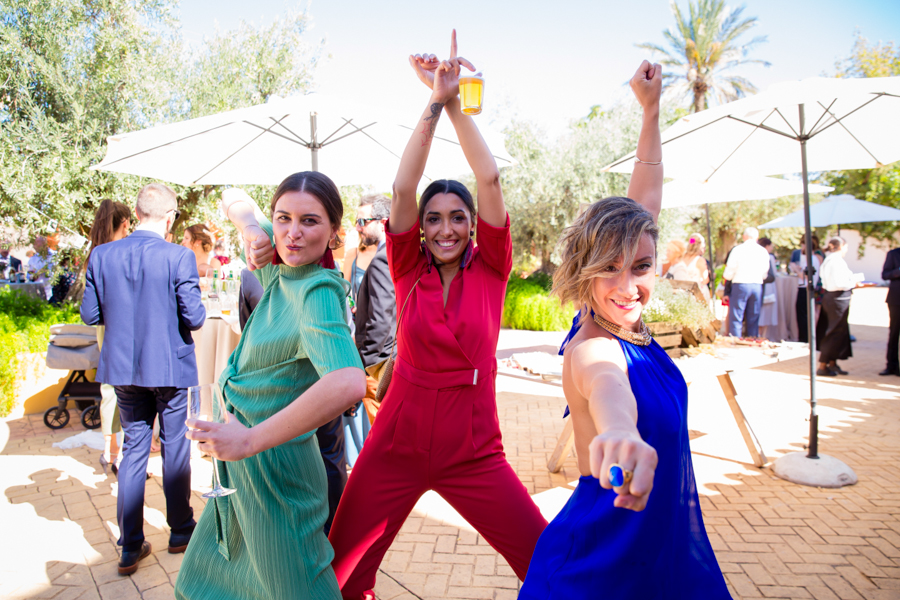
(453, 44)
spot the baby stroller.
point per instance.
(74, 348)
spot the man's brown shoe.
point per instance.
(128, 563)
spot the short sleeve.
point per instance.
(403, 250)
(495, 246)
(267, 273)
(324, 335)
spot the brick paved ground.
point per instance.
(773, 539)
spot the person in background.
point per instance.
(891, 272)
(675, 250)
(219, 253)
(40, 263)
(833, 331)
(147, 293)
(5, 257)
(357, 260)
(692, 266)
(768, 314)
(111, 224)
(198, 240)
(64, 276)
(376, 309)
(746, 268)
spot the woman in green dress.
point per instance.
(295, 368)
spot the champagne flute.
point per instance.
(205, 403)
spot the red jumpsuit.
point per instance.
(437, 428)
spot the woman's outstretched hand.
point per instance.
(629, 451)
(647, 85)
(228, 441)
(442, 77)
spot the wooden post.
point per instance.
(563, 447)
(756, 451)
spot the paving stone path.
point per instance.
(773, 539)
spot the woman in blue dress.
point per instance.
(615, 539)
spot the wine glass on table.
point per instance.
(205, 403)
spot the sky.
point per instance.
(546, 62)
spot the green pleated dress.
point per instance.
(266, 541)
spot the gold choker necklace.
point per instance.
(638, 339)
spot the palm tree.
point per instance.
(703, 47)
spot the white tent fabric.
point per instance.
(852, 124)
(687, 192)
(263, 144)
(843, 209)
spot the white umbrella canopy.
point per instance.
(687, 192)
(848, 124)
(842, 209)
(263, 144)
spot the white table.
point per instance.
(213, 345)
(786, 287)
(721, 367)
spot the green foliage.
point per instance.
(881, 185)
(546, 188)
(529, 306)
(702, 47)
(24, 327)
(73, 72)
(668, 305)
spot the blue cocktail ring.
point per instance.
(619, 476)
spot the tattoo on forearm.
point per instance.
(431, 123)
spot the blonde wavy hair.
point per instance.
(695, 246)
(607, 232)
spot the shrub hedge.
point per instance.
(529, 305)
(24, 327)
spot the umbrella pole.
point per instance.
(810, 299)
(313, 144)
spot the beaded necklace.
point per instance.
(642, 338)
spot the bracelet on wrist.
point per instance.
(646, 162)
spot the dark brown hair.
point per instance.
(200, 233)
(320, 186)
(446, 186)
(109, 217)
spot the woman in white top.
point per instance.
(833, 330)
(692, 266)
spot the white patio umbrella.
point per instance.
(687, 192)
(842, 209)
(817, 124)
(263, 144)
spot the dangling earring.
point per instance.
(327, 260)
(472, 233)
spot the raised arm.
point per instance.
(443, 79)
(647, 177)
(601, 378)
(246, 215)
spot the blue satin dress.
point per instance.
(595, 550)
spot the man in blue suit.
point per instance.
(146, 292)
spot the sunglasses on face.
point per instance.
(364, 222)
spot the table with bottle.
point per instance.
(219, 336)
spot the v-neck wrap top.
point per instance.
(461, 336)
(445, 367)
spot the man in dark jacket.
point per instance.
(146, 292)
(891, 273)
(376, 308)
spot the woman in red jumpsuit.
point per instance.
(437, 428)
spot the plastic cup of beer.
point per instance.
(471, 93)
